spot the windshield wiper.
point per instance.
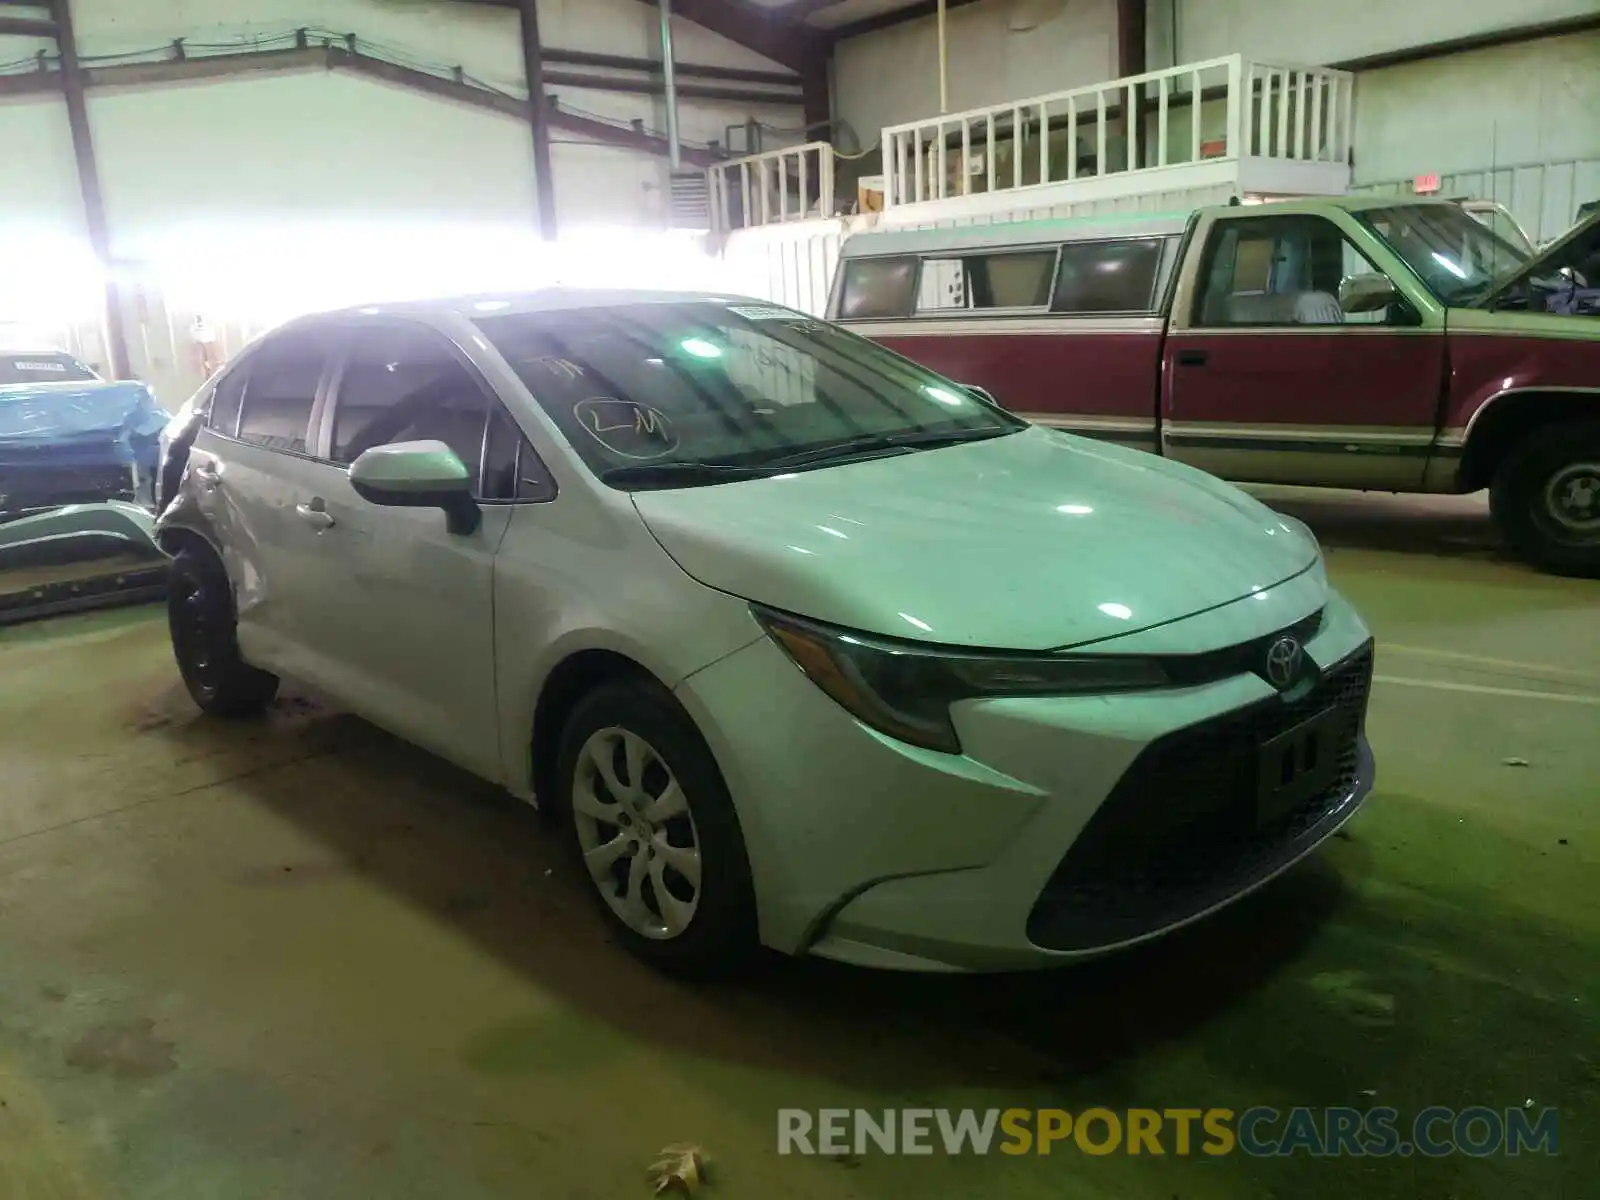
(680, 474)
(882, 443)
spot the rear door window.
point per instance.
(1108, 277)
(1008, 279)
(877, 288)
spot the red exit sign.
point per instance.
(1426, 183)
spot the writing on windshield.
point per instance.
(736, 385)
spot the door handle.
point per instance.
(208, 477)
(1193, 358)
(315, 514)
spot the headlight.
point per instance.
(905, 690)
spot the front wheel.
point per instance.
(1546, 498)
(200, 618)
(657, 832)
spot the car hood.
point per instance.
(1577, 245)
(1034, 541)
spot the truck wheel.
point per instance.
(200, 617)
(1546, 498)
(657, 832)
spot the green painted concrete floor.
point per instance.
(299, 959)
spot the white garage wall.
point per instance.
(340, 146)
(998, 50)
(1319, 32)
(1517, 124)
(1513, 105)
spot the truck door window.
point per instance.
(877, 287)
(281, 390)
(1008, 279)
(1288, 271)
(1107, 277)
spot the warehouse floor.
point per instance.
(300, 959)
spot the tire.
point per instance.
(696, 932)
(200, 618)
(1546, 498)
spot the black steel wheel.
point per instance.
(201, 619)
(1546, 498)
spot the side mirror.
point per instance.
(983, 394)
(418, 475)
(1366, 293)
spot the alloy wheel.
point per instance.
(637, 835)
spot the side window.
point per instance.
(225, 398)
(1108, 277)
(406, 384)
(1006, 279)
(1289, 271)
(877, 287)
(281, 389)
(511, 468)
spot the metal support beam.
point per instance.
(1131, 61)
(94, 205)
(538, 117)
(895, 16)
(27, 27)
(623, 62)
(669, 75)
(337, 58)
(767, 32)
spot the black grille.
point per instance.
(1179, 833)
(24, 488)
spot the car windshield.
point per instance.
(673, 394)
(1457, 257)
(48, 367)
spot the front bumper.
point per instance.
(1069, 827)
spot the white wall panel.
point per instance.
(1515, 123)
(481, 38)
(38, 182)
(1516, 105)
(999, 50)
(1319, 32)
(315, 145)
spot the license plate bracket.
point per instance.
(1297, 765)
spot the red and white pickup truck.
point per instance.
(1355, 342)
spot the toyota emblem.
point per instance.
(1283, 663)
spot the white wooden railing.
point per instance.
(1223, 108)
(792, 184)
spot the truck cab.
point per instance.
(1369, 342)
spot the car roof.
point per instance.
(553, 299)
(1092, 228)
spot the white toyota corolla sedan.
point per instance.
(806, 646)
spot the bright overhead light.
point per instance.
(700, 348)
(492, 305)
(943, 395)
(1074, 510)
(1120, 611)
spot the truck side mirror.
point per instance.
(1366, 293)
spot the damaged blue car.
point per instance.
(79, 463)
(69, 437)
